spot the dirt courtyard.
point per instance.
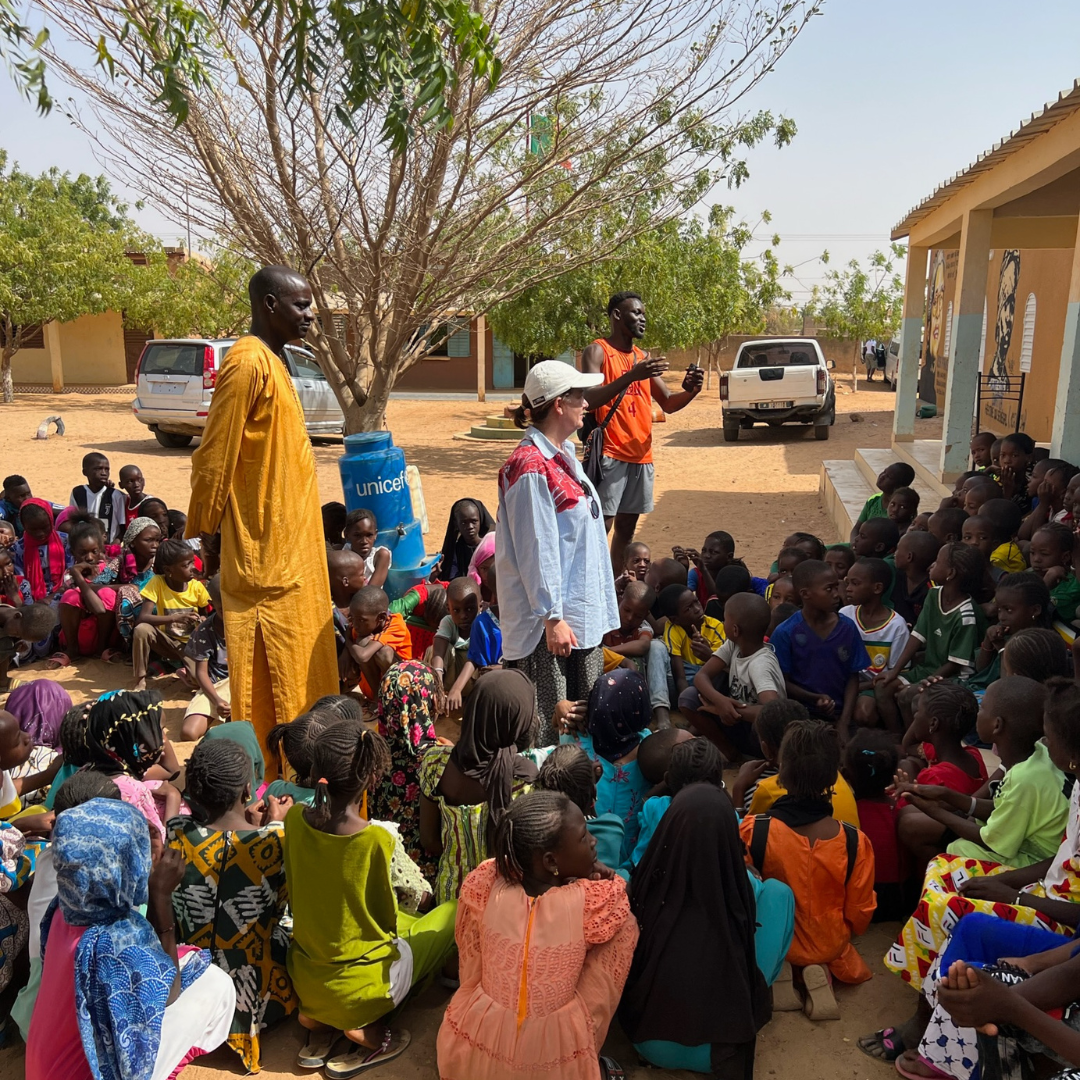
(759, 490)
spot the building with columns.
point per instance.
(991, 302)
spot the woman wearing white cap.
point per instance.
(552, 567)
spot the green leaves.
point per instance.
(859, 303)
(20, 53)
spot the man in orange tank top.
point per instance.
(626, 490)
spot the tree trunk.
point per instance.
(371, 416)
(5, 373)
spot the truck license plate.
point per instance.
(775, 405)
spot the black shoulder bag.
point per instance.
(592, 462)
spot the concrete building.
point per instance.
(992, 294)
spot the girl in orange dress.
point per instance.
(828, 864)
(546, 938)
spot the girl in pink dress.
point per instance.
(546, 938)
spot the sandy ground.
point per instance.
(759, 490)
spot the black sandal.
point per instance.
(884, 1045)
(610, 1069)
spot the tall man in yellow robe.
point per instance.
(253, 482)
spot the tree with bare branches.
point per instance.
(606, 120)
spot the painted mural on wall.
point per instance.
(941, 289)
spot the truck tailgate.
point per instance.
(777, 387)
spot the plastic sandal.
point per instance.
(611, 1069)
(113, 656)
(362, 1058)
(820, 1001)
(902, 1069)
(784, 996)
(317, 1049)
(58, 660)
(888, 1039)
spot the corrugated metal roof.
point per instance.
(1068, 101)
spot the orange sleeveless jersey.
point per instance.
(629, 435)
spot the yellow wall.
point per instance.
(92, 351)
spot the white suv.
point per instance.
(175, 380)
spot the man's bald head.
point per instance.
(273, 281)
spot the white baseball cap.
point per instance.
(551, 378)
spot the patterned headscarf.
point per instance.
(39, 706)
(137, 528)
(123, 977)
(407, 698)
(123, 732)
(618, 711)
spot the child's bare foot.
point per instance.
(139, 685)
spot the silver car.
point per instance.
(175, 380)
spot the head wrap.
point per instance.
(619, 711)
(456, 554)
(693, 899)
(39, 706)
(122, 976)
(484, 550)
(57, 555)
(123, 732)
(407, 699)
(498, 718)
(137, 528)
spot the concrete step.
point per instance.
(871, 462)
(924, 455)
(844, 489)
(497, 420)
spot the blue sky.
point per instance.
(890, 98)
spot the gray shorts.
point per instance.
(626, 488)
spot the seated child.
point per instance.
(1021, 820)
(133, 484)
(423, 607)
(1003, 517)
(977, 490)
(690, 636)
(361, 532)
(979, 446)
(632, 644)
(950, 625)
(787, 560)
(898, 475)
(15, 492)
(884, 632)
(1038, 654)
(21, 630)
(717, 551)
(618, 715)
(758, 785)
(782, 591)
(829, 866)
(16, 746)
(1050, 481)
(1052, 557)
(377, 640)
(821, 651)
(729, 582)
(206, 652)
(877, 539)
(915, 554)
(870, 760)
(747, 669)
(355, 954)
(484, 650)
(841, 558)
(495, 1024)
(568, 769)
(449, 650)
(778, 615)
(333, 523)
(295, 742)
(1022, 601)
(87, 621)
(945, 712)
(177, 599)
(661, 574)
(921, 522)
(42, 554)
(903, 508)
(347, 571)
(14, 588)
(947, 526)
(636, 561)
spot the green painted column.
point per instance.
(911, 328)
(1065, 441)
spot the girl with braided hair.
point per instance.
(356, 951)
(546, 938)
(295, 742)
(233, 893)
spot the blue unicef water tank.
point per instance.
(373, 478)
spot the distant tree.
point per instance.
(863, 302)
(62, 254)
(402, 216)
(696, 284)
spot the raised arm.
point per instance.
(592, 360)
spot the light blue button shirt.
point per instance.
(550, 565)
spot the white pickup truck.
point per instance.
(778, 381)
